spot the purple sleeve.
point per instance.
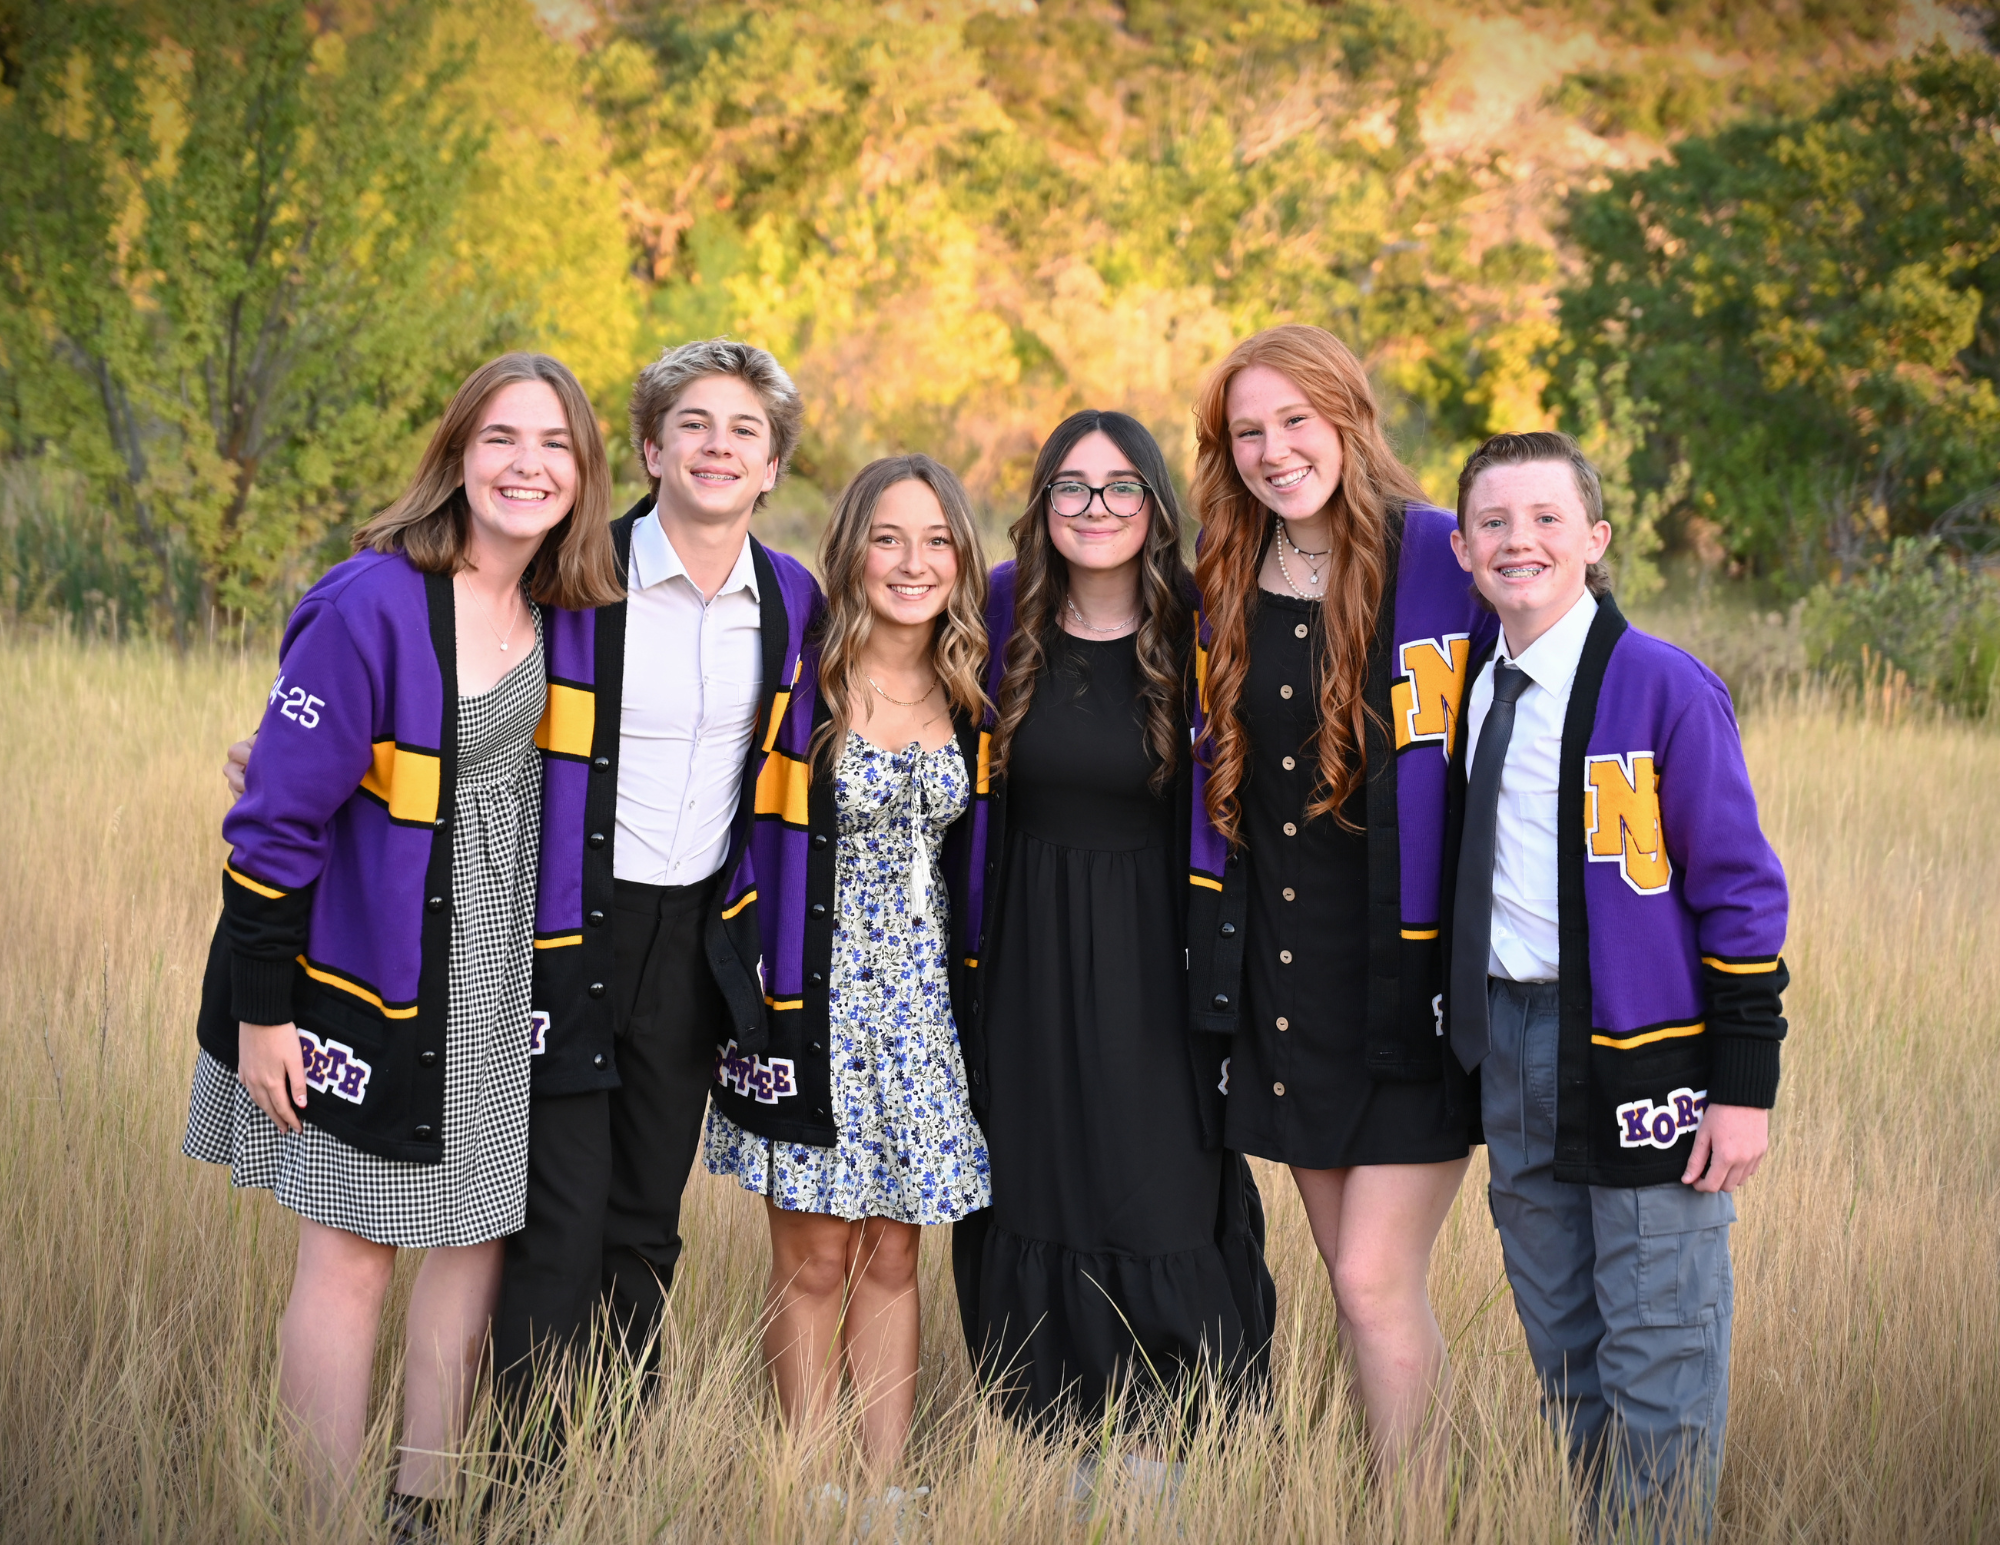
(1734, 885)
(314, 748)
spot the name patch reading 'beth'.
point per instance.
(333, 1069)
(1642, 1124)
(753, 1077)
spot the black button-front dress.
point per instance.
(1299, 1092)
(1111, 1225)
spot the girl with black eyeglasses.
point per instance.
(1124, 1248)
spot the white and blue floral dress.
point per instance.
(908, 1148)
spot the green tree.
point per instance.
(224, 223)
(1808, 311)
(960, 225)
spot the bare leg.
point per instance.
(881, 1334)
(1375, 1225)
(326, 1349)
(451, 1314)
(802, 1307)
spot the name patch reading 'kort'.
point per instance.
(538, 1032)
(1642, 1124)
(753, 1077)
(333, 1069)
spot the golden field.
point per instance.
(138, 1318)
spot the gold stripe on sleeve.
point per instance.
(1749, 968)
(249, 884)
(333, 979)
(1664, 1033)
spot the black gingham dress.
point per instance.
(479, 1191)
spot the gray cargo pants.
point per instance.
(1625, 1294)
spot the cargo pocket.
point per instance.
(1684, 1275)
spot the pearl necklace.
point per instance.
(1284, 541)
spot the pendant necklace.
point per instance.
(1091, 627)
(1312, 570)
(513, 621)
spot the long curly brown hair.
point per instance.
(1235, 528)
(1041, 587)
(958, 642)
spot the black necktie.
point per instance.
(1472, 911)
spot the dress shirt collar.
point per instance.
(654, 560)
(1551, 660)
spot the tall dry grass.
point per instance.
(141, 1295)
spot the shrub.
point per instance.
(1919, 611)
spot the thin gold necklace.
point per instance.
(913, 703)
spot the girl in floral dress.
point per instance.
(865, 1064)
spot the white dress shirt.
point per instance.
(1525, 947)
(689, 707)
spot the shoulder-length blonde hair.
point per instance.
(576, 566)
(1235, 529)
(958, 641)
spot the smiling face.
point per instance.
(712, 452)
(1287, 453)
(520, 466)
(912, 558)
(1098, 539)
(1528, 542)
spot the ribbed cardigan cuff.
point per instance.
(260, 991)
(1744, 1071)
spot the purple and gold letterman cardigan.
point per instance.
(1428, 629)
(754, 935)
(336, 896)
(1671, 910)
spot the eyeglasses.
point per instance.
(1124, 497)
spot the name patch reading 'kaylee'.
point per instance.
(753, 1077)
(1642, 1124)
(333, 1069)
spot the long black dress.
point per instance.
(1111, 1226)
(1299, 1092)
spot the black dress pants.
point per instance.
(606, 1169)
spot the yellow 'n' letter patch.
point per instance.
(1621, 811)
(1424, 698)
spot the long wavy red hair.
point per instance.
(1235, 528)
